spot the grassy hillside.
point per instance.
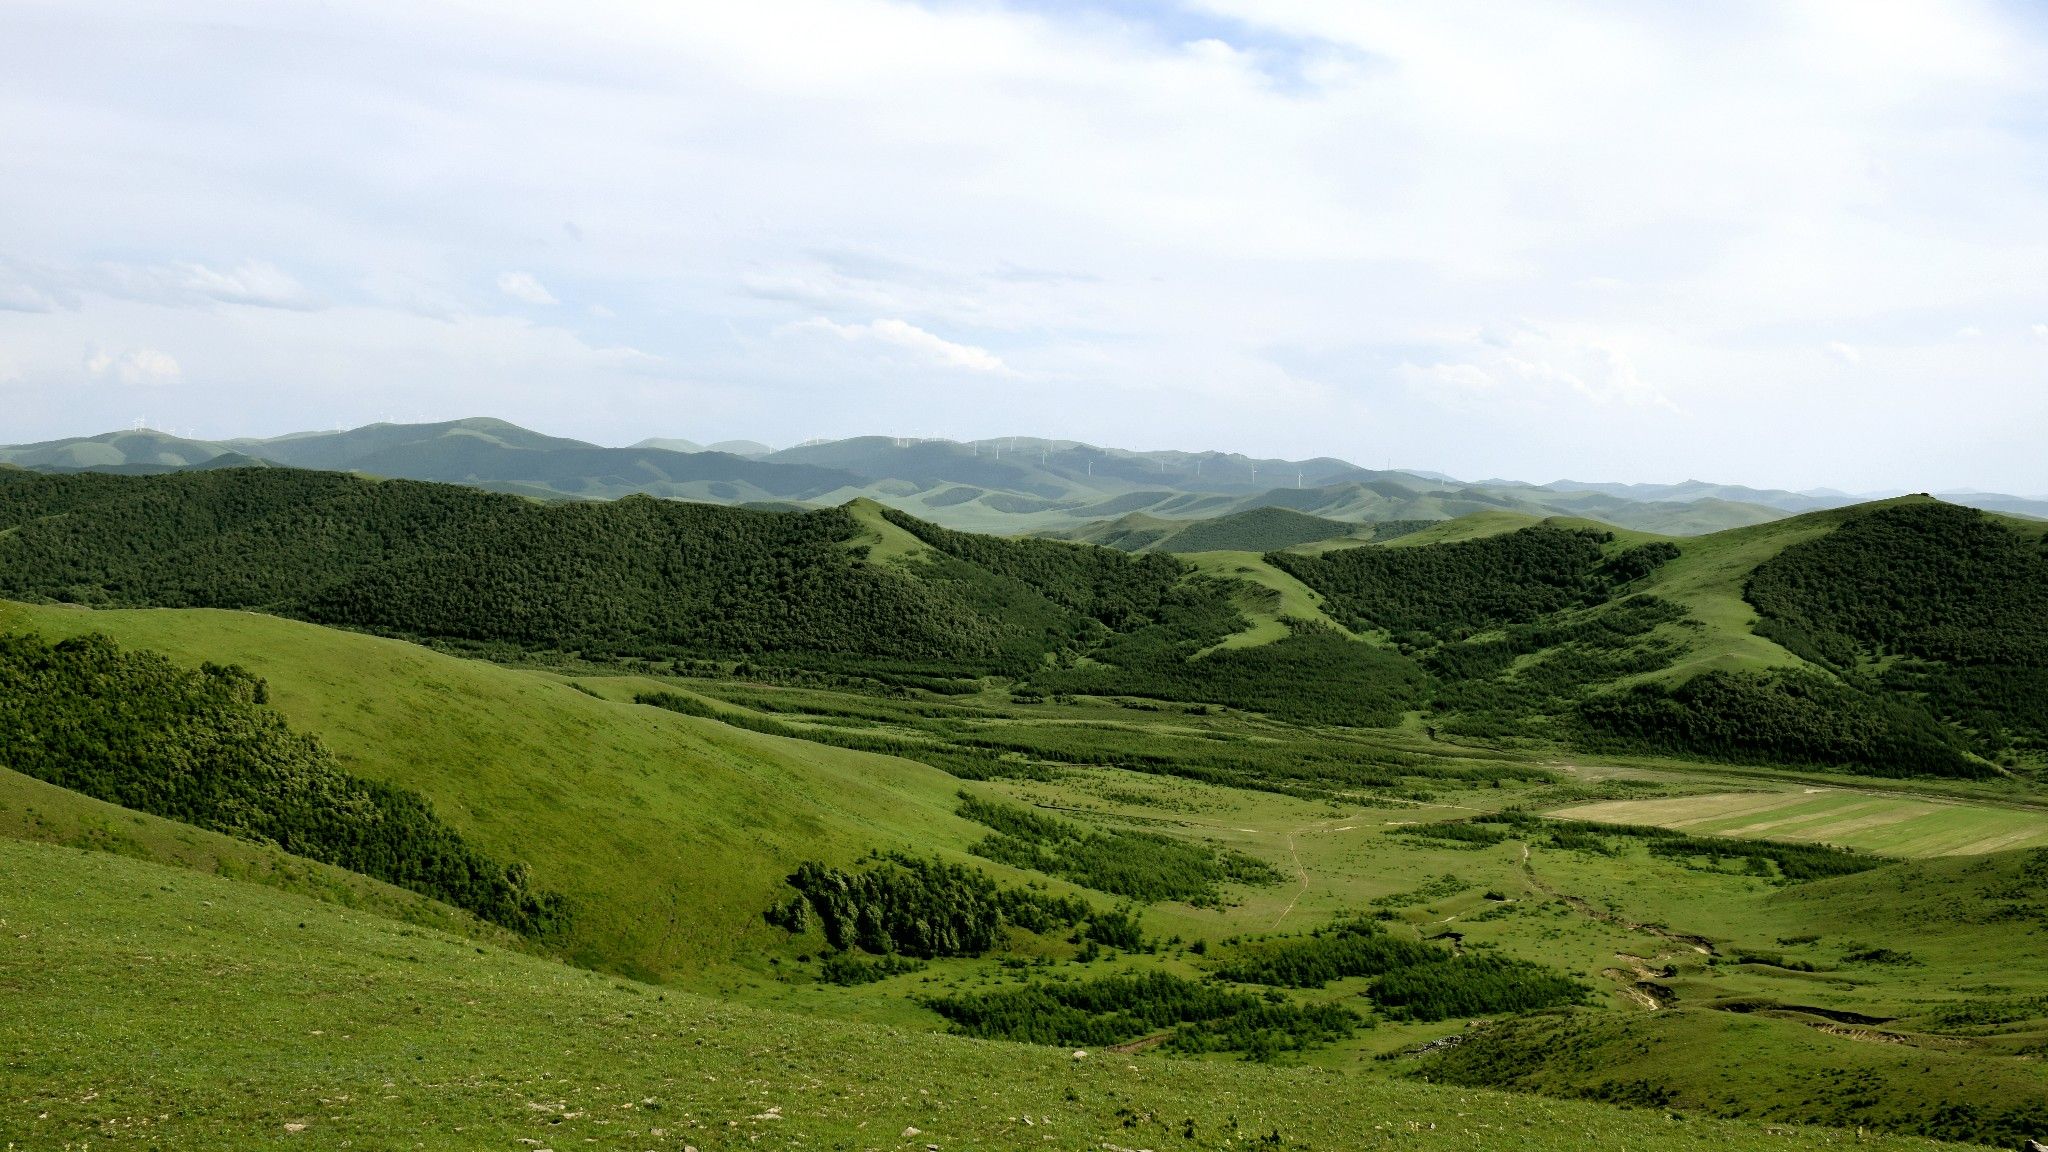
(1265, 529)
(528, 768)
(1270, 599)
(341, 1028)
(33, 810)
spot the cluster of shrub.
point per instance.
(1447, 884)
(927, 908)
(1138, 865)
(134, 729)
(1191, 1015)
(1416, 980)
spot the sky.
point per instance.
(1792, 243)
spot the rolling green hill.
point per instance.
(528, 769)
(1005, 486)
(1729, 645)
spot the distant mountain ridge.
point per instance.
(1007, 485)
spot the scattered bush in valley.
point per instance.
(965, 763)
(134, 729)
(1461, 986)
(923, 908)
(1350, 948)
(1415, 980)
(1458, 833)
(1197, 1017)
(1139, 865)
(1425, 893)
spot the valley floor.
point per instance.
(150, 1007)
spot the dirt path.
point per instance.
(1294, 854)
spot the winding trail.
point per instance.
(1294, 854)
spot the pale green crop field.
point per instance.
(1891, 825)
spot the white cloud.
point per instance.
(902, 334)
(135, 367)
(524, 287)
(2041, 330)
(1321, 195)
(24, 297)
(254, 283)
(1969, 332)
(1846, 353)
(1528, 364)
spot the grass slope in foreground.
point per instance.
(667, 833)
(195, 1012)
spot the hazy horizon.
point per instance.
(1786, 246)
(1422, 470)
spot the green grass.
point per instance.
(674, 832)
(1707, 578)
(886, 543)
(1291, 599)
(195, 1012)
(33, 810)
(669, 833)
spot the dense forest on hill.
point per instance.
(1450, 589)
(1781, 717)
(1314, 676)
(136, 730)
(438, 561)
(1931, 599)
